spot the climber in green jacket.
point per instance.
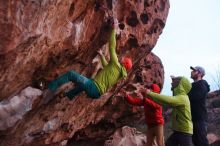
(111, 73)
(181, 113)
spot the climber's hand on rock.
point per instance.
(100, 52)
(108, 13)
(115, 25)
(113, 22)
(142, 89)
(140, 95)
(110, 22)
(147, 91)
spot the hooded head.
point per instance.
(175, 82)
(127, 63)
(180, 85)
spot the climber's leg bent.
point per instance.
(88, 86)
(65, 78)
(72, 93)
(82, 84)
(91, 89)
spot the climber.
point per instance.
(153, 116)
(111, 73)
(181, 114)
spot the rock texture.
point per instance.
(213, 105)
(43, 39)
(126, 136)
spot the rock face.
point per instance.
(43, 39)
(213, 106)
(127, 136)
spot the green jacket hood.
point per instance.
(183, 88)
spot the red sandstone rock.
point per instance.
(126, 136)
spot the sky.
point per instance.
(190, 38)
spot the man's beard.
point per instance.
(195, 77)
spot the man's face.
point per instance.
(175, 83)
(195, 74)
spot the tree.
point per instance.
(216, 78)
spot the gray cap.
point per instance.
(199, 69)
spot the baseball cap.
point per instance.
(199, 69)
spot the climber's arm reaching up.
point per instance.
(103, 60)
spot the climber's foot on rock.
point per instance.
(48, 95)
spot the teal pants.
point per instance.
(81, 84)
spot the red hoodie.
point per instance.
(153, 111)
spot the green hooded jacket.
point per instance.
(181, 113)
(112, 71)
